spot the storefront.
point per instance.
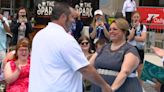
(11, 6)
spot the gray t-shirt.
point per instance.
(112, 60)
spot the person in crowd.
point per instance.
(9, 56)
(20, 27)
(117, 62)
(160, 52)
(129, 7)
(84, 42)
(4, 28)
(77, 26)
(98, 45)
(58, 65)
(98, 28)
(16, 71)
(137, 37)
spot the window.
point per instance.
(153, 3)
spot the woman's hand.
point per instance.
(158, 51)
(157, 85)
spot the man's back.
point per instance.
(53, 65)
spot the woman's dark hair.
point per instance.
(83, 37)
(100, 42)
(20, 8)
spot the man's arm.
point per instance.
(90, 73)
(6, 27)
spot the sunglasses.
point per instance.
(84, 43)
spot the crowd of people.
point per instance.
(61, 59)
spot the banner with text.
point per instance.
(153, 16)
(85, 7)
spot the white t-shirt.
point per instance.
(55, 60)
(128, 6)
(140, 45)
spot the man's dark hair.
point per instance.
(59, 9)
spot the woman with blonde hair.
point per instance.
(117, 62)
(137, 37)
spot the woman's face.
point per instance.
(84, 45)
(115, 33)
(23, 53)
(22, 13)
(136, 18)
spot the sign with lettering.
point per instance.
(85, 7)
(153, 16)
(45, 8)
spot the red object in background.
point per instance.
(152, 15)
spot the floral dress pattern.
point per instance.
(21, 84)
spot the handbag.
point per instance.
(151, 71)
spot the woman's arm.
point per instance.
(11, 76)
(92, 59)
(123, 9)
(129, 64)
(93, 33)
(106, 33)
(132, 34)
(135, 6)
(141, 38)
(158, 51)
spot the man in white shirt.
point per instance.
(57, 60)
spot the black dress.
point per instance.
(112, 60)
